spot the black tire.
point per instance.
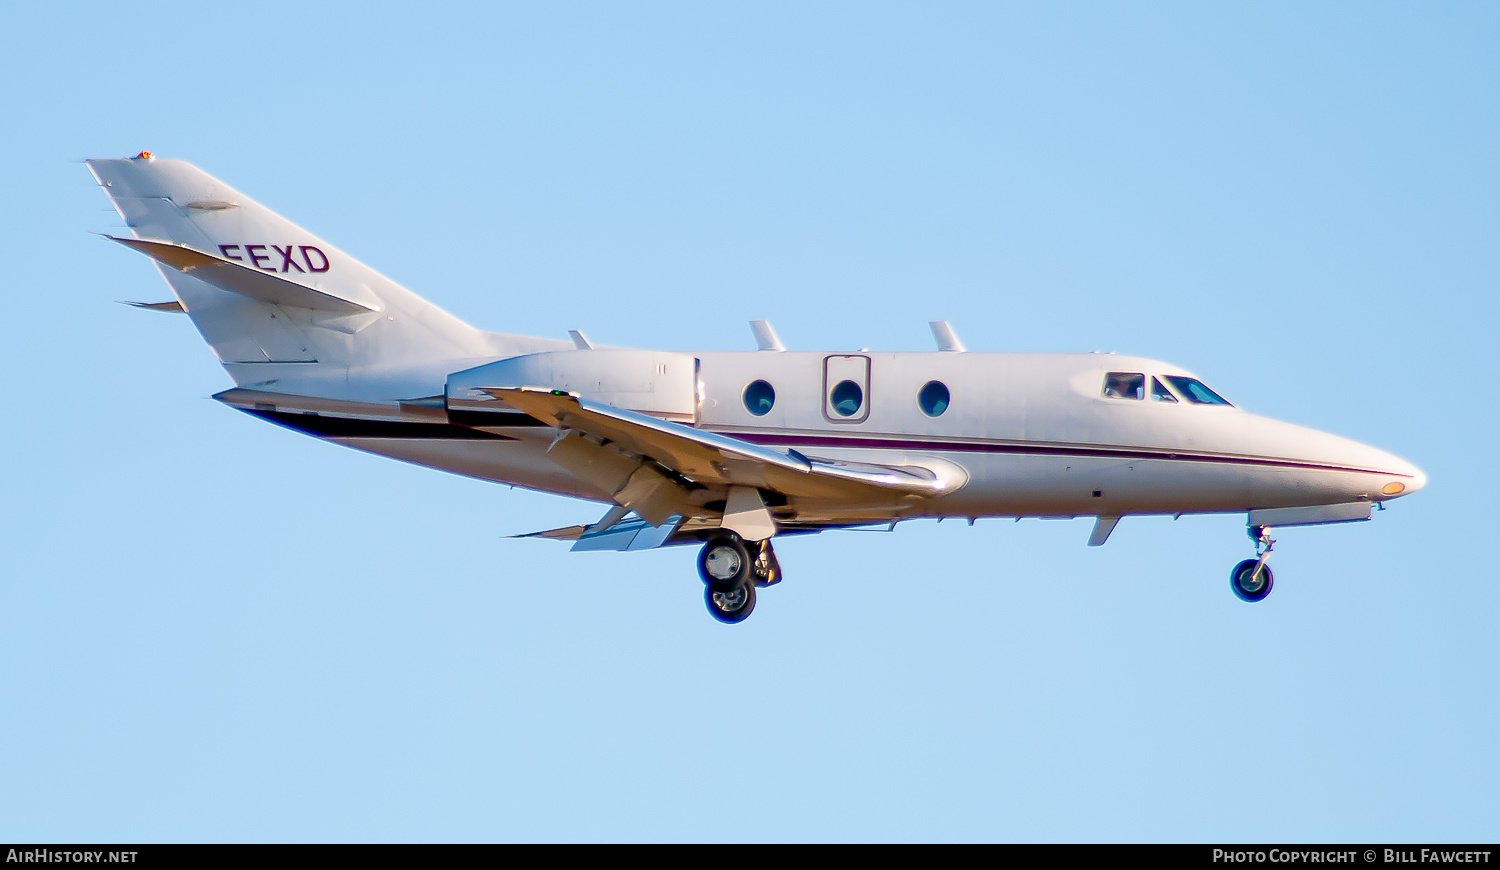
(730, 606)
(1247, 585)
(724, 562)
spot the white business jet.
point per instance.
(728, 450)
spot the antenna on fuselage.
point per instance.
(580, 340)
(765, 336)
(946, 338)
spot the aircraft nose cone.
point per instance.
(1406, 478)
(1373, 473)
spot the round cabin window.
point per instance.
(933, 398)
(759, 398)
(847, 398)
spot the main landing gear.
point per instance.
(731, 569)
(1251, 579)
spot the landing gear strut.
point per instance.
(1251, 579)
(731, 569)
(763, 566)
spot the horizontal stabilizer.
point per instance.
(237, 278)
(173, 307)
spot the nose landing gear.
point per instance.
(1252, 579)
(731, 569)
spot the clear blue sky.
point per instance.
(214, 629)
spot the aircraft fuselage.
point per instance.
(1031, 434)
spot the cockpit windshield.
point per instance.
(1160, 393)
(1194, 391)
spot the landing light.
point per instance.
(1393, 488)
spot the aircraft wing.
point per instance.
(712, 459)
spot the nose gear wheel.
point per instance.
(1252, 579)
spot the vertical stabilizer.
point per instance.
(272, 299)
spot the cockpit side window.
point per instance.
(1194, 391)
(1124, 385)
(1160, 393)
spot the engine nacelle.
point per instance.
(653, 382)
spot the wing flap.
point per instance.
(626, 533)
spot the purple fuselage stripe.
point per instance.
(1033, 450)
